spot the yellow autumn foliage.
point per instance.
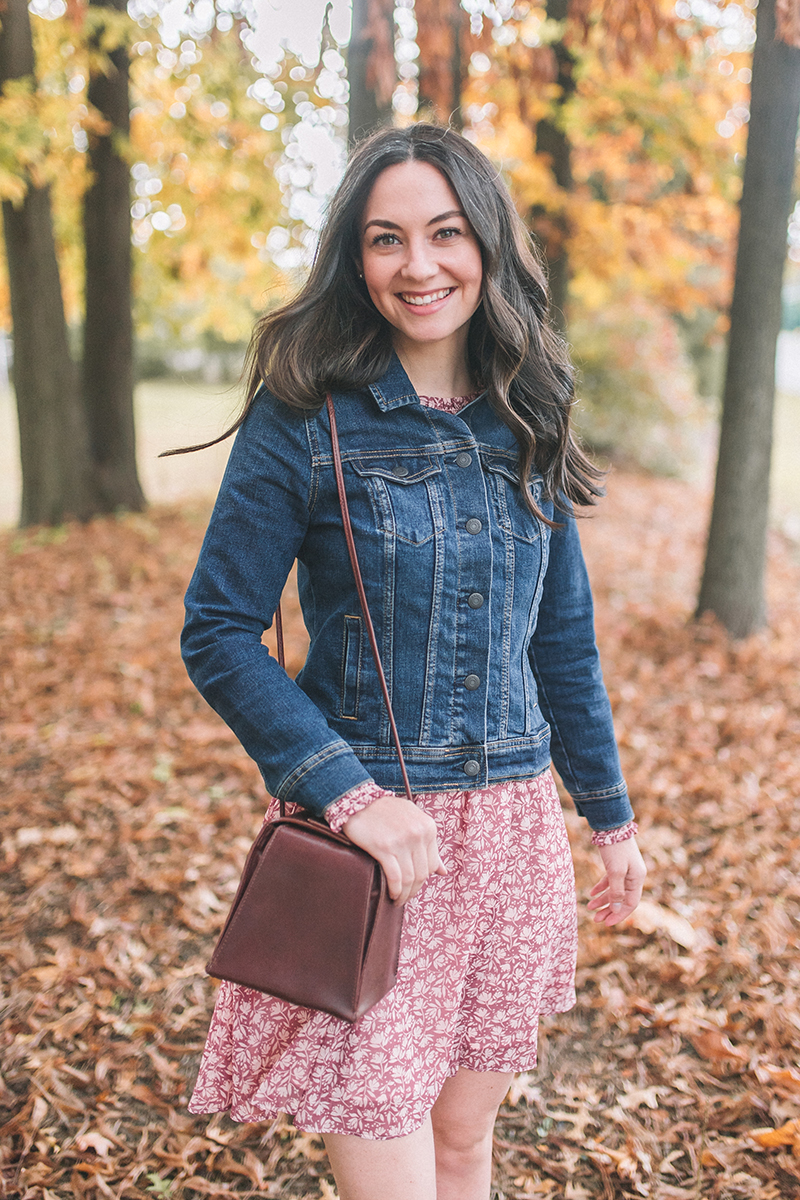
(652, 207)
(204, 189)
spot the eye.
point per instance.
(382, 239)
(449, 233)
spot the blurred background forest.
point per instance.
(164, 168)
(622, 136)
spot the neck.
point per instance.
(436, 369)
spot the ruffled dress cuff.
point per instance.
(351, 802)
(610, 837)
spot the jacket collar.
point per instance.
(394, 388)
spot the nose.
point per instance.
(420, 263)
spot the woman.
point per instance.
(425, 316)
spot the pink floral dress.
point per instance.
(485, 950)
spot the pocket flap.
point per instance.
(508, 469)
(398, 469)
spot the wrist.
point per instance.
(358, 798)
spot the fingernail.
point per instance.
(616, 907)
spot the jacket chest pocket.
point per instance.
(513, 514)
(405, 493)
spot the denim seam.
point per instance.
(555, 732)
(544, 558)
(290, 783)
(508, 610)
(619, 789)
(387, 645)
(314, 474)
(432, 754)
(429, 692)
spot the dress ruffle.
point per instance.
(485, 950)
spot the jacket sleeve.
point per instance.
(572, 696)
(256, 529)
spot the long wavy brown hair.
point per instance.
(331, 336)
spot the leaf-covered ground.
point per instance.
(128, 808)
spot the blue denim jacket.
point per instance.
(483, 614)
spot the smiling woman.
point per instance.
(425, 318)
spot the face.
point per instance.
(420, 259)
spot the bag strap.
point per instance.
(362, 599)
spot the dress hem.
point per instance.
(308, 1123)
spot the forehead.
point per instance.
(409, 192)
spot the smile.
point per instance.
(430, 298)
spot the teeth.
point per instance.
(429, 299)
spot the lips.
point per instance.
(422, 301)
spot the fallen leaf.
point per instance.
(649, 917)
(787, 1135)
(94, 1141)
(648, 1096)
(717, 1046)
(785, 1077)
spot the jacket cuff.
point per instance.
(608, 809)
(326, 776)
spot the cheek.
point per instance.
(377, 276)
(473, 269)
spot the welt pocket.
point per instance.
(352, 653)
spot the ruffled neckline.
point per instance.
(450, 404)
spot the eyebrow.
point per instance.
(453, 212)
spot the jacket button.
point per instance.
(472, 682)
(401, 470)
(463, 459)
(474, 525)
(472, 767)
(475, 600)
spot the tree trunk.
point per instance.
(53, 444)
(457, 19)
(551, 140)
(108, 329)
(442, 26)
(733, 578)
(370, 67)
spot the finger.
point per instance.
(394, 882)
(435, 864)
(418, 873)
(633, 894)
(598, 890)
(411, 879)
(609, 917)
(392, 867)
(611, 901)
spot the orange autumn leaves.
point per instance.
(788, 1134)
(651, 207)
(128, 809)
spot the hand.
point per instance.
(403, 839)
(620, 890)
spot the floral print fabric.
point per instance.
(485, 950)
(610, 837)
(340, 812)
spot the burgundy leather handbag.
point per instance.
(312, 921)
